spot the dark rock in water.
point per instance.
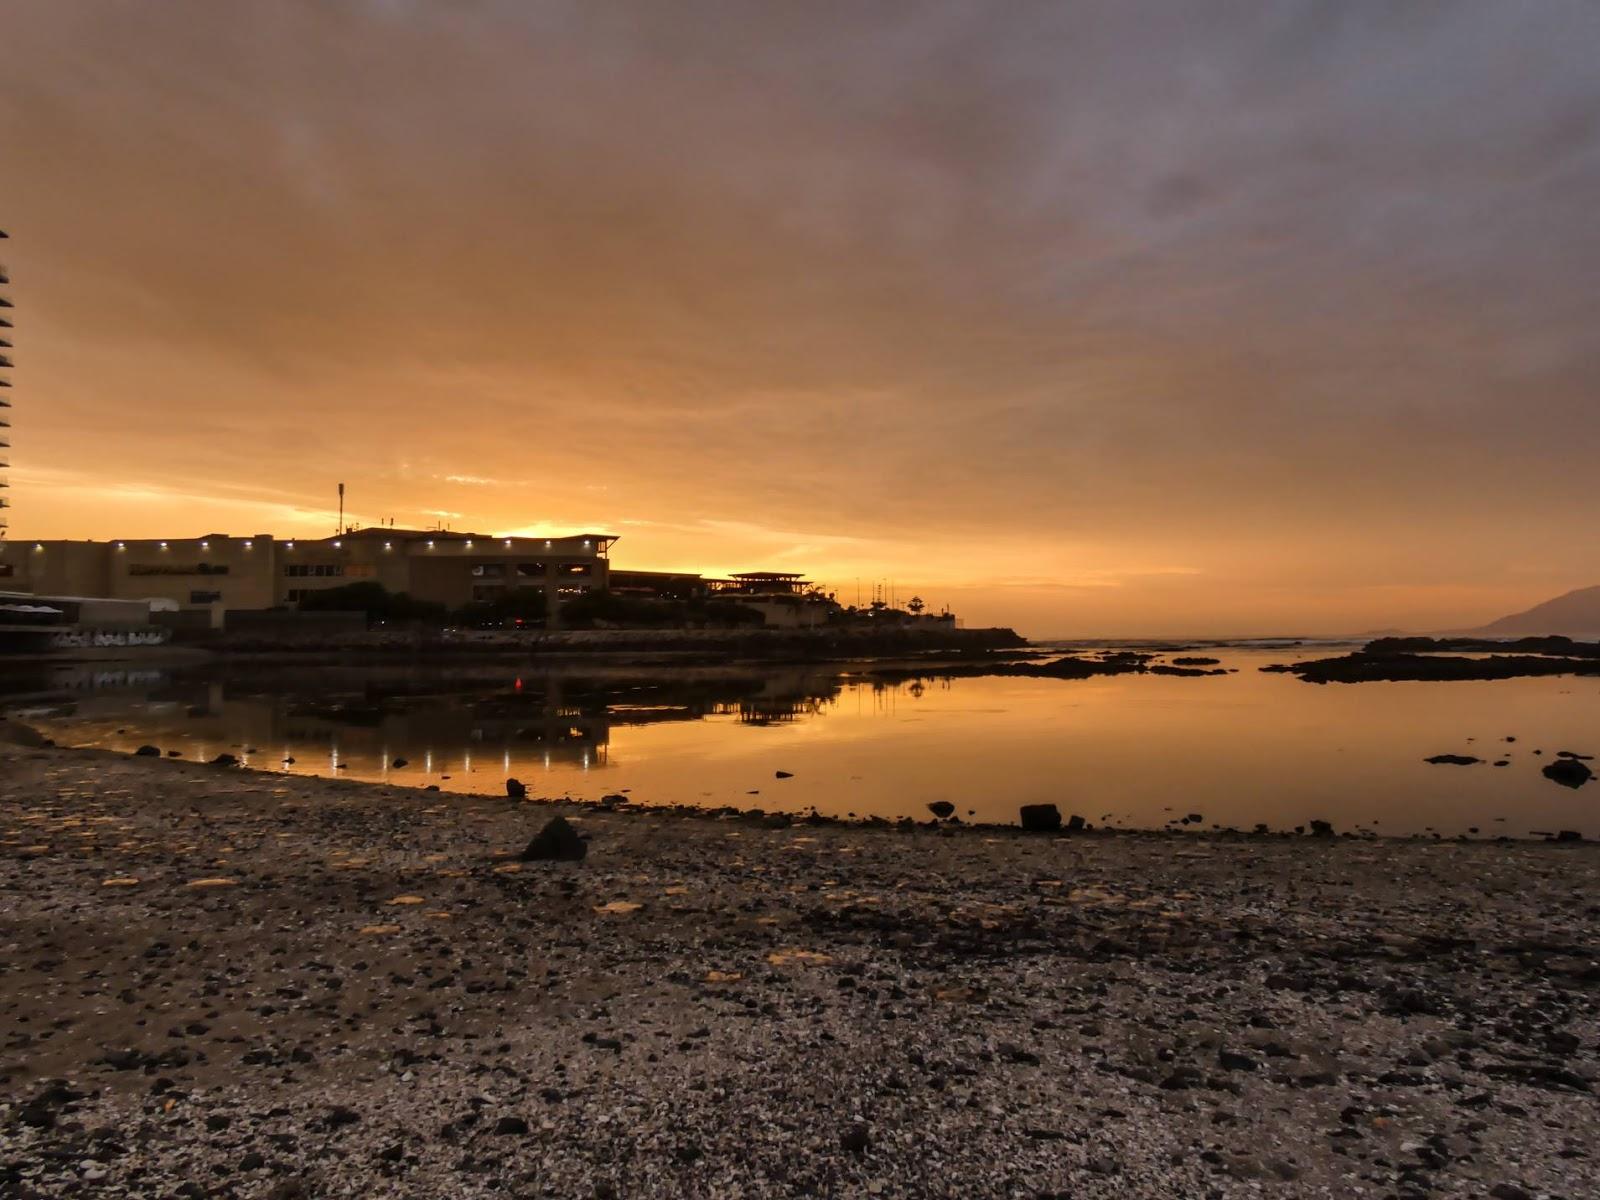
(224, 760)
(855, 1138)
(432, 787)
(612, 799)
(1502, 762)
(516, 789)
(1322, 829)
(147, 752)
(1195, 818)
(1196, 662)
(399, 762)
(941, 808)
(1453, 760)
(1569, 835)
(1076, 824)
(558, 841)
(1040, 818)
(1574, 754)
(289, 762)
(1568, 772)
(174, 753)
(783, 774)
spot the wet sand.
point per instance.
(221, 983)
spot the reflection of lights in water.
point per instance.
(547, 760)
(333, 756)
(427, 760)
(586, 758)
(466, 761)
(507, 760)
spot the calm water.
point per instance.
(1127, 750)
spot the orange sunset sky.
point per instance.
(1090, 319)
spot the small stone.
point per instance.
(511, 1126)
(558, 841)
(855, 1138)
(516, 789)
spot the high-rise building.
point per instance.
(5, 395)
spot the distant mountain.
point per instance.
(1578, 612)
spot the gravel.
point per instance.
(223, 983)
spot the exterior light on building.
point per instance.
(163, 545)
(38, 547)
(122, 545)
(508, 543)
(469, 543)
(388, 545)
(290, 546)
(430, 545)
(338, 545)
(249, 545)
(205, 545)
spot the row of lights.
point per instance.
(38, 547)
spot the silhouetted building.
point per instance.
(220, 572)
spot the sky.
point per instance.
(1091, 319)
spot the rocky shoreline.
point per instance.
(221, 983)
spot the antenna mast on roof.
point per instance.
(338, 530)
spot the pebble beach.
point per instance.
(227, 983)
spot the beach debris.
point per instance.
(405, 900)
(941, 808)
(378, 930)
(1040, 818)
(218, 882)
(618, 906)
(781, 958)
(723, 976)
(1453, 760)
(120, 881)
(1568, 772)
(558, 841)
(516, 789)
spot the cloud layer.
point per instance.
(1094, 318)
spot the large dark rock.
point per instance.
(516, 789)
(1040, 818)
(1453, 760)
(1322, 829)
(941, 808)
(1568, 772)
(147, 752)
(558, 841)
